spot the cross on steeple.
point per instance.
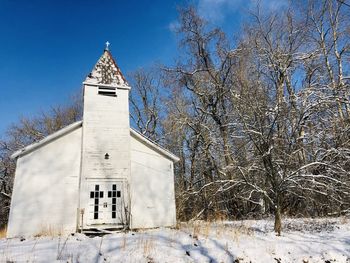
(106, 70)
(107, 45)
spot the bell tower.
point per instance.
(105, 166)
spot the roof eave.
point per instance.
(78, 124)
(118, 86)
(46, 140)
(155, 146)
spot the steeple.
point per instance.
(106, 145)
(106, 71)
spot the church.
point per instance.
(98, 173)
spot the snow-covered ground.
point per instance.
(303, 240)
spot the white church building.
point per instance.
(97, 173)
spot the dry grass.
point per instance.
(237, 231)
(196, 230)
(3, 232)
(123, 246)
(271, 249)
(61, 247)
(344, 220)
(219, 216)
(204, 229)
(178, 225)
(49, 230)
(148, 246)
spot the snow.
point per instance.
(303, 240)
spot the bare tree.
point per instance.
(255, 116)
(261, 124)
(145, 104)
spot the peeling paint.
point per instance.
(106, 71)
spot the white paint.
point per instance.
(44, 199)
(152, 187)
(107, 45)
(55, 177)
(154, 146)
(106, 205)
(105, 131)
(47, 139)
(121, 86)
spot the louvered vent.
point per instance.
(107, 91)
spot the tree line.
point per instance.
(260, 120)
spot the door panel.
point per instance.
(105, 203)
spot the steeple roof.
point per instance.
(106, 71)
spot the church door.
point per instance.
(106, 203)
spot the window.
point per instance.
(114, 194)
(96, 195)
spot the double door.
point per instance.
(106, 203)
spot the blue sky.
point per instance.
(48, 47)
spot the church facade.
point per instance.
(95, 173)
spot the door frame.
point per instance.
(124, 199)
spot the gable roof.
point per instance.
(78, 124)
(47, 139)
(106, 71)
(153, 145)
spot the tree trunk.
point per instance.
(278, 219)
